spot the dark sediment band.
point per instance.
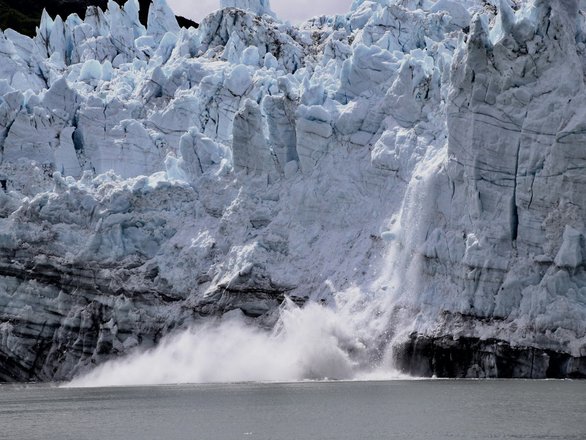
(474, 358)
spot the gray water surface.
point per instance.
(414, 410)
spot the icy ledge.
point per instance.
(410, 172)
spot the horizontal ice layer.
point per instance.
(427, 154)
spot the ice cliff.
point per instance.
(415, 167)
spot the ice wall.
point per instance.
(412, 167)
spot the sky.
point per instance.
(292, 10)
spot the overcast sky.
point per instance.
(293, 10)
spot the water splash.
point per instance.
(314, 342)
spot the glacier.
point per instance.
(397, 190)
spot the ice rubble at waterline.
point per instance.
(424, 157)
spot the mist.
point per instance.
(311, 343)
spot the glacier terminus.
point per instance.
(399, 188)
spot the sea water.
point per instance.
(413, 410)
